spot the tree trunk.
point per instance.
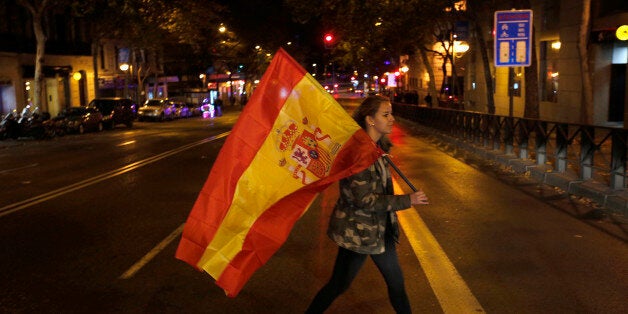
(40, 37)
(586, 111)
(486, 65)
(95, 54)
(531, 109)
(430, 71)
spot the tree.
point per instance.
(586, 109)
(37, 9)
(479, 13)
(532, 103)
(182, 29)
(371, 34)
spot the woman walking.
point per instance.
(364, 220)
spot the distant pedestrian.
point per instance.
(218, 106)
(243, 100)
(428, 99)
(364, 221)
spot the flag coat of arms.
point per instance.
(290, 142)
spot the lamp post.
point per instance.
(125, 68)
(458, 49)
(404, 71)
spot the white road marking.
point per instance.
(150, 255)
(11, 208)
(20, 168)
(450, 289)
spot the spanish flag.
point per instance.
(290, 142)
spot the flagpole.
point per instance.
(399, 173)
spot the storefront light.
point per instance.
(622, 32)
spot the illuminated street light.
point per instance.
(460, 46)
(125, 67)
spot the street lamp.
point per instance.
(125, 68)
(404, 70)
(458, 49)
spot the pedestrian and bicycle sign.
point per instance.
(513, 38)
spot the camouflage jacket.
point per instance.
(358, 221)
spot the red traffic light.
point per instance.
(328, 39)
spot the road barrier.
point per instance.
(584, 160)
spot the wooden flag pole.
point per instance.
(400, 174)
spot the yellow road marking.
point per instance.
(450, 289)
(150, 255)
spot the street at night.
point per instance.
(90, 224)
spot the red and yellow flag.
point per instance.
(291, 141)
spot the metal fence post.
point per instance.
(541, 142)
(486, 130)
(524, 137)
(587, 149)
(497, 133)
(618, 159)
(562, 143)
(509, 136)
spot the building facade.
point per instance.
(76, 68)
(560, 85)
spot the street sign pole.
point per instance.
(513, 44)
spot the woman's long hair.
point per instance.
(369, 107)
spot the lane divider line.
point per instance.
(11, 208)
(152, 253)
(19, 168)
(450, 289)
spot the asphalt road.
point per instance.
(90, 223)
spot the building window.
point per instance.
(551, 15)
(101, 50)
(549, 69)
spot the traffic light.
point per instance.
(328, 39)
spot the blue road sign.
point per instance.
(513, 38)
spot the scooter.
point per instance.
(9, 127)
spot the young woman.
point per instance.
(364, 222)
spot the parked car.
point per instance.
(181, 110)
(115, 110)
(195, 109)
(81, 119)
(157, 109)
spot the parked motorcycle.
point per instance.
(9, 127)
(33, 124)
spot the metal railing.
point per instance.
(589, 152)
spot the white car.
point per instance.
(158, 109)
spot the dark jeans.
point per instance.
(348, 263)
